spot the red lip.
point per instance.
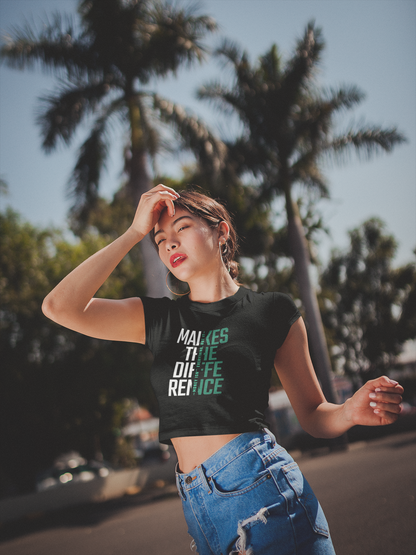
(177, 259)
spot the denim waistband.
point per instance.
(238, 445)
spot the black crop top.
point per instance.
(212, 362)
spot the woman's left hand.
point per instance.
(377, 403)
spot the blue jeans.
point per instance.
(250, 497)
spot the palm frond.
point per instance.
(300, 68)
(345, 97)
(210, 152)
(246, 76)
(111, 29)
(83, 184)
(305, 170)
(230, 53)
(249, 93)
(175, 39)
(60, 113)
(364, 142)
(313, 116)
(225, 99)
(270, 65)
(55, 48)
(247, 157)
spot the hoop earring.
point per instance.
(173, 292)
(223, 246)
(223, 252)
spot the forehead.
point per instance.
(165, 221)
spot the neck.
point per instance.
(212, 289)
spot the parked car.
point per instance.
(71, 467)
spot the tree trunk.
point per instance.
(139, 183)
(299, 250)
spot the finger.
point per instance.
(387, 417)
(162, 199)
(169, 189)
(384, 381)
(392, 408)
(388, 397)
(168, 201)
(383, 384)
(397, 389)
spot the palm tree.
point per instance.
(288, 131)
(102, 67)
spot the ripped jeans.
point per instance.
(250, 497)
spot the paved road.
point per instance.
(368, 494)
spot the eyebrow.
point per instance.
(177, 220)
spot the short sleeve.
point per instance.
(156, 313)
(285, 315)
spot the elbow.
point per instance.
(62, 311)
(312, 430)
(316, 431)
(49, 308)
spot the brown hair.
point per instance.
(213, 213)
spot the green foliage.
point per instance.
(60, 390)
(370, 306)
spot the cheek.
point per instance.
(206, 239)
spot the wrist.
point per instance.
(348, 413)
(135, 235)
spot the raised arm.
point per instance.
(377, 403)
(72, 304)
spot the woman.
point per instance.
(213, 350)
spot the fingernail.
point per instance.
(393, 382)
(377, 411)
(372, 404)
(377, 389)
(373, 395)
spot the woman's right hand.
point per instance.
(151, 206)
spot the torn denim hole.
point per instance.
(242, 534)
(193, 546)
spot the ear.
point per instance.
(223, 231)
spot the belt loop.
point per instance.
(204, 479)
(181, 493)
(271, 435)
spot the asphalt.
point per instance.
(368, 494)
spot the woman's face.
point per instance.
(187, 245)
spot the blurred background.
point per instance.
(300, 115)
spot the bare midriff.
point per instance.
(193, 451)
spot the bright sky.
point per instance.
(370, 43)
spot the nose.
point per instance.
(172, 245)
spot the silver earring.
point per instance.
(223, 252)
(223, 243)
(173, 292)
